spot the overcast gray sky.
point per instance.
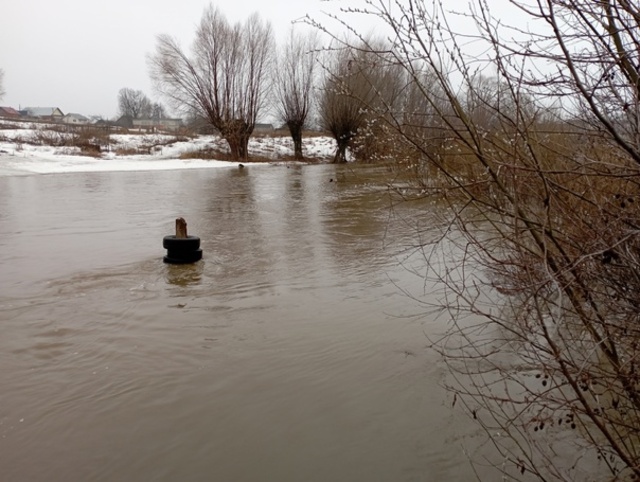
(77, 54)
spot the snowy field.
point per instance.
(27, 148)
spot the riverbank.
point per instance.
(28, 148)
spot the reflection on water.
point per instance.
(289, 353)
(184, 274)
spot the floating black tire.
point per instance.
(183, 257)
(179, 254)
(181, 245)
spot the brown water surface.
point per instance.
(289, 353)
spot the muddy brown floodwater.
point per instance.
(290, 353)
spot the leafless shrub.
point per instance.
(347, 96)
(132, 151)
(50, 137)
(91, 136)
(537, 174)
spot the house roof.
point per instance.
(73, 115)
(42, 111)
(9, 111)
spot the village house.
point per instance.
(43, 113)
(9, 113)
(73, 118)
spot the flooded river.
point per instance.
(290, 353)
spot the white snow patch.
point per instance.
(20, 153)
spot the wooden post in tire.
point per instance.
(182, 248)
(181, 228)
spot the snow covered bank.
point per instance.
(23, 151)
(47, 163)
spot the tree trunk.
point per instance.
(341, 151)
(295, 128)
(237, 133)
(239, 147)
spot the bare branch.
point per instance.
(225, 77)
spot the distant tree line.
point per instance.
(356, 89)
(235, 73)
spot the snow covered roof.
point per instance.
(79, 117)
(43, 111)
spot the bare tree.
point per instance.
(295, 79)
(225, 78)
(358, 89)
(491, 105)
(417, 119)
(340, 112)
(541, 236)
(386, 93)
(133, 103)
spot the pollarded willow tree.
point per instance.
(295, 81)
(341, 110)
(356, 92)
(541, 178)
(224, 78)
